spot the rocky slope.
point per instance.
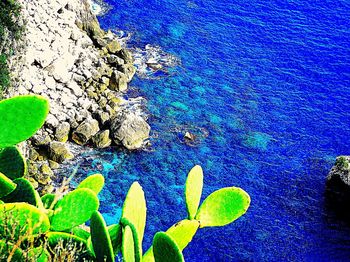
(83, 71)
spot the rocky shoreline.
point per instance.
(84, 71)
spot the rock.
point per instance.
(59, 69)
(85, 131)
(118, 81)
(33, 154)
(126, 56)
(113, 59)
(113, 47)
(189, 136)
(338, 179)
(101, 139)
(62, 132)
(102, 117)
(129, 70)
(59, 152)
(41, 140)
(53, 164)
(77, 91)
(129, 130)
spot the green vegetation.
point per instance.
(52, 228)
(9, 30)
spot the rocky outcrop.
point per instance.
(338, 180)
(80, 68)
(83, 71)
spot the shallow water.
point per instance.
(265, 87)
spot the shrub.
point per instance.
(10, 30)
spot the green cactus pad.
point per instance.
(47, 200)
(90, 248)
(128, 251)
(6, 185)
(134, 209)
(24, 192)
(223, 207)
(165, 249)
(80, 232)
(2, 202)
(6, 249)
(137, 245)
(29, 219)
(100, 238)
(55, 237)
(12, 163)
(74, 209)
(115, 233)
(39, 203)
(21, 117)
(193, 190)
(94, 182)
(182, 233)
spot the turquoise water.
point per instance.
(265, 87)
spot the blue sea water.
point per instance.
(265, 85)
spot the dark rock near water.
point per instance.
(59, 152)
(338, 183)
(85, 131)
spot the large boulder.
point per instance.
(85, 131)
(59, 152)
(101, 139)
(338, 180)
(129, 130)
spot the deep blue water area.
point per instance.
(265, 86)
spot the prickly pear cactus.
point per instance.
(47, 200)
(6, 249)
(94, 182)
(38, 254)
(12, 162)
(25, 114)
(55, 237)
(79, 232)
(137, 244)
(128, 250)
(222, 207)
(165, 249)
(27, 218)
(193, 190)
(100, 238)
(134, 210)
(24, 192)
(115, 232)
(6, 185)
(74, 209)
(182, 233)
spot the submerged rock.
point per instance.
(130, 130)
